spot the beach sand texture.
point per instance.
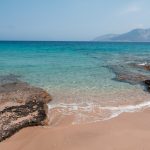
(129, 131)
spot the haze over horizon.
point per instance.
(72, 20)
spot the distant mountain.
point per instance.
(105, 37)
(136, 35)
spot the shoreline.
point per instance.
(90, 113)
(29, 108)
(128, 131)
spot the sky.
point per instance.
(70, 20)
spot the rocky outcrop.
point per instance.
(21, 105)
(147, 84)
(131, 78)
(124, 74)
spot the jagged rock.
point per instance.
(21, 105)
(147, 84)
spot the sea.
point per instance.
(81, 76)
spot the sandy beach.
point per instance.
(127, 132)
(74, 75)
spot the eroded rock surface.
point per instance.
(125, 74)
(21, 105)
(131, 74)
(131, 78)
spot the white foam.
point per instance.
(130, 108)
(143, 64)
(81, 109)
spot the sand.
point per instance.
(129, 131)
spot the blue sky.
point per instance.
(70, 19)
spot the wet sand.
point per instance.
(129, 131)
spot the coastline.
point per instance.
(127, 132)
(99, 86)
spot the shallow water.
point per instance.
(77, 74)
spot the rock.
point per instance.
(21, 105)
(147, 84)
(123, 74)
(9, 78)
(147, 67)
(141, 66)
(131, 78)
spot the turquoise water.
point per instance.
(76, 72)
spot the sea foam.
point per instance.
(90, 112)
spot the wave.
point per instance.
(90, 112)
(143, 64)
